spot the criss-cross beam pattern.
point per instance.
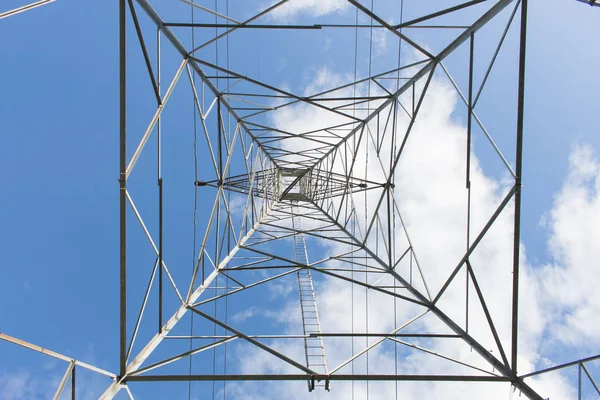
(330, 157)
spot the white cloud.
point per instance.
(15, 386)
(244, 315)
(380, 41)
(21, 385)
(312, 8)
(570, 285)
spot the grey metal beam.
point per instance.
(27, 7)
(317, 377)
(31, 346)
(438, 14)
(140, 36)
(592, 381)
(184, 53)
(464, 36)
(253, 341)
(560, 366)
(472, 342)
(63, 381)
(143, 355)
(122, 190)
(518, 187)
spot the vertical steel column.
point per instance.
(518, 179)
(122, 194)
(160, 193)
(73, 382)
(220, 144)
(579, 391)
(468, 171)
(470, 109)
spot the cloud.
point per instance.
(431, 192)
(21, 385)
(244, 315)
(14, 385)
(43, 381)
(380, 42)
(312, 8)
(569, 284)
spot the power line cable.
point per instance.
(195, 242)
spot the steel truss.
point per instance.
(277, 173)
(284, 177)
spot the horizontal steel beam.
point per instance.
(319, 377)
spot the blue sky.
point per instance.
(59, 124)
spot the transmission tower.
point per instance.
(221, 199)
(283, 176)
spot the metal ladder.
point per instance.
(313, 341)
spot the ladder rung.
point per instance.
(315, 352)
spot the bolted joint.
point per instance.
(200, 183)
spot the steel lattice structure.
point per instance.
(280, 194)
(314, 170)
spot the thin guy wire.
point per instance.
(355, 216)
(366, 177)
(215, 308)
(229, 202)
(393, 208)
(195, 208)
